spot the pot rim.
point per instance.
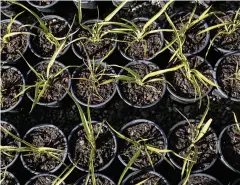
(42, 7)
(13, 176)
(41, 175)
(96, 174)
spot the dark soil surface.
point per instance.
(152, 179)
(42, 180)
(138, 132)
(40, 44)
(226, 76)
(43, 2)
(230, 145)
(201, 180)
(83, 89)
(180, 140)
(136, 50)
(7, 140)
(80, 148)
(100, 180)
(141, 95)
(7, 179)
(10, 87)
(44, 137)
(94, 50)
(182, 86)
(55, 89)
(227, 42)
(193, 42)
(16, 43)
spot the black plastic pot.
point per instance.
(26, 47)
(223, 159)
(64, 156)
(86, 4)
(203, 175)
(205, 27)
(21, 97)
(30, 37)
(47, 8)
(145, 106)
(101, 105)
(9, 175)
(141, 172)
(174, 162)
(219, 90)
(184, 100)
(126, 6)
(96, 169)
(55, 103)
(155, 55)
(19, 145)
(41, 176)
(80, 180)
(236, 182)
(136, 122)
(75, 49)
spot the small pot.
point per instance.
(220, 91)
(86, 4)
(23, 52)
(236, 182)
(172, 159)
(47, 17)
(223, 159)
(46, 8)
(80, 180)
(203, 175)
(64, 155)
(9, 9)
(142, 172)
(184, 100)
(136, 122)
(41, 176)
(21, 97)
(19, 145)
(100, 105)
(96, 169)
(54, 103)
(10, 176)
(144, 106)
(150, 58)
(207, 37)
(76, 48)
(126, 6)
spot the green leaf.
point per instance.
(203, 130)
(9, 26)
(142, 182)
(111, 15)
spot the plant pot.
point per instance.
(141, 96)
(138, 176)
(129, 4)
(11, 78)
(44, 6)
(64, 80)
(183, 91)
(136, 50)
(100, 179)
(8, 178)
(42, 179)
(236, 182)
(86, 4)
(39, 44)
(106, 146)
(7, 140)
(17, 42)
(228, 43)
(225, 68)
(206, 179)
(96, 51)
(194, 43)
(207, 146)
(136, 130)
(228, 147)
(8, 9)
(44, 135)
(82, 89)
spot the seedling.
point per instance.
(197, 133)
(237, 123)
(142, 147)
(226, 28)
